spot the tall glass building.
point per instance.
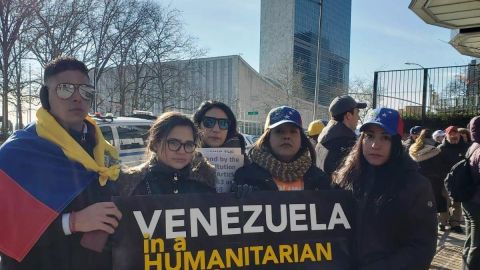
(289, 43)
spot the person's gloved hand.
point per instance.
(242, 191)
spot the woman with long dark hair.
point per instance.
(218, 126)
(283, 158)
(171, 145)
(395, 226)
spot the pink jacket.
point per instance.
(475, 157)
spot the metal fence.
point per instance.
(424, 92)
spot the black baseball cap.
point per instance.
(343, 104)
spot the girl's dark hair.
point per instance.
(264, 142)
(58, 65)
(210, 104)
(354, 163)
(163, 126)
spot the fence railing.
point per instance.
(427, 91)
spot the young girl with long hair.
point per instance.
(395, 226)
(171, 145)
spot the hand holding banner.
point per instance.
(267, 230)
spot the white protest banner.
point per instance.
(226, 162)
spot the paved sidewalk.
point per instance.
(449, 251)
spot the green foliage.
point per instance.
(436, 121)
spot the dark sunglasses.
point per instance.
(175, 145)
(209, 122)
(66, 90)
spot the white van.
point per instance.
(129, 135)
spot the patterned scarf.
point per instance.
(284, 171)
(106, 162)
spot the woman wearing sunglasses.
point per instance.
(218, 126)
(396, 224)
(171, 144)
(282, 159)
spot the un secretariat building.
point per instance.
(288, 43)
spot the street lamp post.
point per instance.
(317, 69)
(414, 64)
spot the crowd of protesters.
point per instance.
(435, 155)
(397, 186)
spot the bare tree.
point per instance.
(126, 86)
(288, 79)
(14, 20)
(458, 86)
(289, 83)
(143, 40)
(171, 53)
(59, 29)
(18, 81)
(140, 79)
(362, 90)
(110, 24)
(124, 57)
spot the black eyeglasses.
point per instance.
(209, 122)
(175, 145)
(66, 90)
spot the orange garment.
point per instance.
(289, 186)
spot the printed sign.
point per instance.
(226, 162)
(265, 230)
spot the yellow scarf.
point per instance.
(48, 128)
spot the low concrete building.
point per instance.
(186, 84)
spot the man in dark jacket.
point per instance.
(67, 168)
(453, 150)
(338, 136)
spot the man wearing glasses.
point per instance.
(338, 136)
(55, 189)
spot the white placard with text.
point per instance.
(226, 162)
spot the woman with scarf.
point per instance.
(171, 145)
(424, 152)
(283, 158)
(395, 226)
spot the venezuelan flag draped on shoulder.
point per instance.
(42, 169)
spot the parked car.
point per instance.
(128, 134)
(249, 141)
